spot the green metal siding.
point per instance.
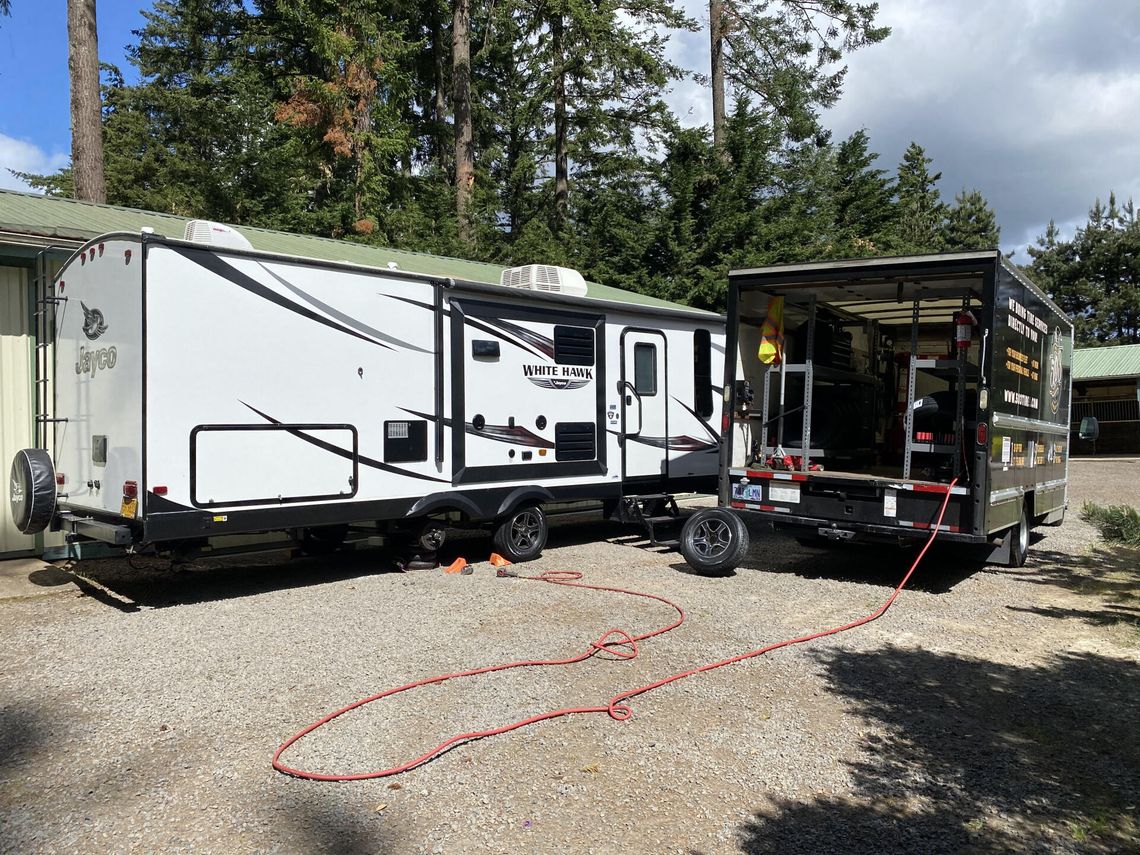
(1103, 363)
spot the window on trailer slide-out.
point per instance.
(702, 373)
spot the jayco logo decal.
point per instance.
(94, 324)
(558, 376)
(91, 360)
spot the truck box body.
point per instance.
(878, 422)
(203, 390)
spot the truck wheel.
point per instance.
(522, 535)
(714, 541)
(32, 490)
(1019, 540)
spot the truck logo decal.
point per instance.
(90, 360)
(558, 376)
(94, 325)
(1055, 372)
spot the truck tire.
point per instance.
(32, 490)
(1019, 540)
(714, 541)
(522, 535)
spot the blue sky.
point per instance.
(35, 132)
(1032, 102)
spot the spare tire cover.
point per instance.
(32, 490)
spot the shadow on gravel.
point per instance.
(966, 755)
(943, 567)
(1111, 573)
(319, 819)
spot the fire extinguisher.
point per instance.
(964, 323)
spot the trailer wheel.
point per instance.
(1019, 540)
(32, 490)
(522, 535)
(714, 541)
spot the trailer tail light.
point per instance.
(130, 489)
(60, 478)
(100, 250)
(982, 433)
(724, 422)
(160, 490)
(126, 256)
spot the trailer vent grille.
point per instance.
(545, 277)
(573, 345)
(216, 234)
(575, 441)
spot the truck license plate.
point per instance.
(747, 492)
(790, 494)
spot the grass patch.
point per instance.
(1116, 523)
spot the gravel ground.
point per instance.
(990, 711)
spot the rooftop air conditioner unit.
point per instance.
(545, 277)
(217, 234)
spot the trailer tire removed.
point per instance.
(521, 536)
(714, 541)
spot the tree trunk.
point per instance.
(464, 136)
(561, 157)
(716, 39)
(439, 82)
(86, 108)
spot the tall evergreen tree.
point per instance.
(1095, 277)
(971, 223)
(865, 212)
(86, 121)
(784, 53)
(921, 211)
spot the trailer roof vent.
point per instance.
(545, 277)
(218, 234)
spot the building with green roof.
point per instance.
(1106, 384)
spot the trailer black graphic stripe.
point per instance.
(343, 452)
(671, 443)
(498, 334)
(216, 265)
(347, 320)
(516, 434)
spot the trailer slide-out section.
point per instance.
(897, 376)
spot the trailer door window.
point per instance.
(573, 345)
(645, 369)
(702, 373)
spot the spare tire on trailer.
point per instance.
(32, 490)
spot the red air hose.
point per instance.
(615, 641)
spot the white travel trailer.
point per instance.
(202, 388)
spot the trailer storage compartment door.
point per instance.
(272, 464)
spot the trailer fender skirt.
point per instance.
(522, 495)
(437, 502)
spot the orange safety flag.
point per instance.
(772, 333)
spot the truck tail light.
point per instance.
(724, 422)
(982, 433)
(130, 489)
(160, 490)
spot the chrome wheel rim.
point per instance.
(1023, 536)
(711, 538)
(526, 528)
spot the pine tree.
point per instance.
(1095, 277)
(86, 121)
(921, 211)
(865, 211)
(971, 223)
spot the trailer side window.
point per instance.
(645, 369)
(574, 345)
(702, 373)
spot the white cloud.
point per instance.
(23, 156)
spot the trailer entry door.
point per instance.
(644, 391)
